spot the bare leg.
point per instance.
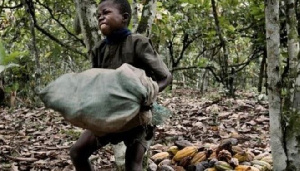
(134, 157)
(82, 150)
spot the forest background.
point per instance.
(226, 46)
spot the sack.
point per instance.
(101, 100)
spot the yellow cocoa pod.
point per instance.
(265, 165)
(187, 151)
(198, 157)
(241, 156)
(173, 150)
(244, 156)
(245, 168)
(268, 159)
(160, 156)
(222, 166)
(237, 149)
(213, 155)
(260, 168)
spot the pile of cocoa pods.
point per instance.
(228, 155)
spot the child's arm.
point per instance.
(163, 83)
(152, 61)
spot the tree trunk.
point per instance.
(291, 106)
(266, 78)
(262, 73)
(86, 13)
(134, 18)
(29, 6)
(12, 99)
(227, 80)
(204, 82)
(273, 53)
(148, 14)
(2, 93)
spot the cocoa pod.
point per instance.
(237, 149)
(244, 156)
(266, 166)
(187, 151)
(212, 162)
(158, 157)
(222, 166)
(199, 157)
(234, 162)
(173, 150)
(165, 168)
(245, 168)
(224, 155)
(213, 155)
(184, 162)
(267, 159)
(178, 168)
(165, 162)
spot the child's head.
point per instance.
(113, 15)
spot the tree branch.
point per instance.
(256, 53)
(170, 47)
(186, 68)
(58, 41)
(224, 68)
(32, 13)
(241, 66)
(213, 73)
(12, 7)
(197, 67)
(61, 24)
(185, 43)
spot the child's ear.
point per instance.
(126, 17)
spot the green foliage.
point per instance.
(203, 62)
(241, 24)
(2, 53)
(17, 62)
(189, 1)
(13, 87)
(7, 60)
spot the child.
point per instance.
(120, 46)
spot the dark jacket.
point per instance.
(136, 50)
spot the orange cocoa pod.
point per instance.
(187, 151)
(199, 157)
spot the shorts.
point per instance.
(140, 134)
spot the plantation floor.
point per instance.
(39, 138)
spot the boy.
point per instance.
(120, 46)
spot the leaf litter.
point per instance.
(39, 138)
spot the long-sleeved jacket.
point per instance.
(136, 50)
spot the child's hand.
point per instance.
(163, 83)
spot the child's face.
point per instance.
(109, 18)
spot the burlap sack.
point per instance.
(102, 100)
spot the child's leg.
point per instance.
(134, 157)
(82, 150)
